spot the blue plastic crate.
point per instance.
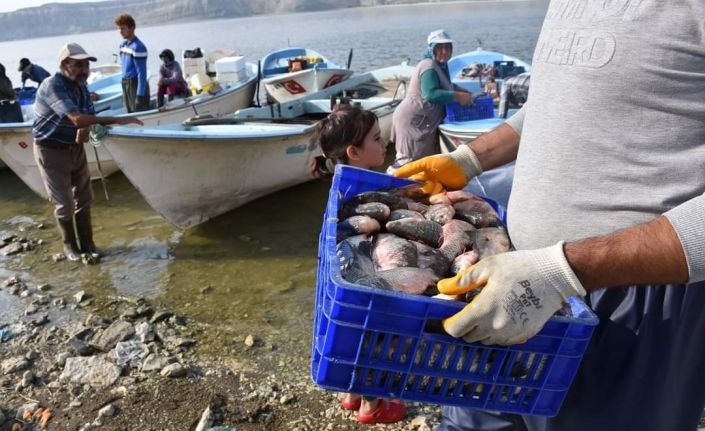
(482, 109)
(382, 343)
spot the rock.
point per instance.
(144, 332)
(41, 320)
(31, 309)
(249, 341)
(12, 281)
(206, 420)
(62, 357)
(131, 352)
(160, 316)
(93, 370)
(119, 330)
(58, 257)
(107, 411)
(174, 370)
(11, 249)
(286, 399)
(27, 379)
(154, 362)
(44, 287)
(79, 346)
(13, 365)
(75, 404)
(179, 343)
(177, 320)
(93, 321)
(31, 355)
(81, 296)
(2, 417)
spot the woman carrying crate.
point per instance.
(416, 120)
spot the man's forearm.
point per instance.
(650, 253)
(496, 148)
(86, 120)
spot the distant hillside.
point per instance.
(55, 19)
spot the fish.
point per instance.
(391, 200)
(455, 238)
(431, 258)
(400, 214)
(355, 257)
(440, 213)
(465, 260)
(463, 211)
(404, 279)
(356, 225)
(426, 231)
(491, 240)
(376, 210)
(391, 251)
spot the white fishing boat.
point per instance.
(16, 138)
(454, 133)
(210, 166)
(292, 73)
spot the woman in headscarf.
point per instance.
(417, 117)
(10, 111)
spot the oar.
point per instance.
(350, 57)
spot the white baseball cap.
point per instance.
(74, 51)
(439, 36)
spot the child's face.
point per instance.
(371, 153)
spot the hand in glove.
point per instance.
(522, 290)
(452, 170)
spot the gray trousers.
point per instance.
(66, 178)
(130, 100)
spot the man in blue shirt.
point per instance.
(33, 72)
(133, 57)
(64, 112)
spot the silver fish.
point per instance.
(391, 251)
(426, 231)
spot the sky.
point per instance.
(12, 5)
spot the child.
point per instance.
(351, 135)
(171, 80)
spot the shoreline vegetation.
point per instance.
(55, 19)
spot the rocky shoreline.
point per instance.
(79, 362)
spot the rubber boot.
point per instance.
(84, 228)
(68, 236)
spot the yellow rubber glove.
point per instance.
(522, 290)
(452, 170)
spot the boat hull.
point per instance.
(237, 171)
(291, 86)
(16, 138)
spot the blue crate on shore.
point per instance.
(389, 344)
(482, 108)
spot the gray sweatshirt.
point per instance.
(613, 134)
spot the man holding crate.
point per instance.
(607, 203)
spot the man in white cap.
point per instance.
(64, 112)
(417, 117)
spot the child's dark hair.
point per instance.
(345, 125)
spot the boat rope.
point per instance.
(95, 137)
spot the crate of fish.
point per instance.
(482, 108)
(377, 325)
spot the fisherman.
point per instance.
(10, 111)
(33, 72)
(417, 117)
(64, 112)
(515, 92)
(133, 57)
(607, 203)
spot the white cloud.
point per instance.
(12, 5)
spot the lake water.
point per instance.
(253, 267)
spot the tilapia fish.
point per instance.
(440, 213)
(357, 225)
(490, 241)
(406, 279)
(425, 231)
(355, 257)
(431, 258)
(391, 200)
(400, 214)
(391, 251)
(376, 210)
(455, 238)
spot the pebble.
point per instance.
(44, 287)
(174, 370)
(107, 411)
(27, 379)
(249, 341)
(80, 296)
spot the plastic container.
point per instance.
(482, 109)
(230, 64)
(193, 66)
(231, 76)
(389, 344)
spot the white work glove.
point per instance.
(522, 290)
(450, 171)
